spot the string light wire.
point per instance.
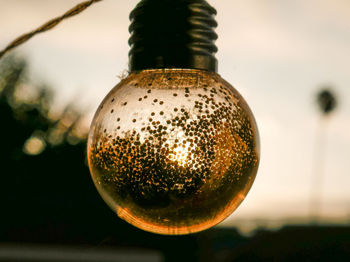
(48, 25)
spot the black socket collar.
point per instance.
(173, 34)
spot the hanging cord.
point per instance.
(47, 26)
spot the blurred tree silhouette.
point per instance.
(47, 195)
(43, 166)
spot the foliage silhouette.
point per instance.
(49, 197)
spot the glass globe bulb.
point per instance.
(173, 151)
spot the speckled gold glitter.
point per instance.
(173, 151)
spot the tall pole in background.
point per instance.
(326, 103)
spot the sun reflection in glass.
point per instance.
(180, 149)
(180, 154)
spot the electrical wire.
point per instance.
(48, 25)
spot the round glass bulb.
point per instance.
(173, 151)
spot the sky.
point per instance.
(277, 54)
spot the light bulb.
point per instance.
(173, 149)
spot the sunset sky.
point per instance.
(277, 54)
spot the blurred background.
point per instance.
(289, 59)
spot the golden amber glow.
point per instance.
(179, 154)
(34, 145)
(173, 151)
